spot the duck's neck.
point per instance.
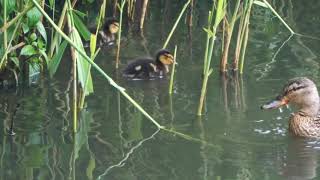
(312, 105)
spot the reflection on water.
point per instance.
(302, 159)
(115, 141)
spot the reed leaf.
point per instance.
(83, 30)
(83, 66)
(55, 61)
(42, 30)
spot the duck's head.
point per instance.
(164, 57)
(299, 91)
(111, 26)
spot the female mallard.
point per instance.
(106, 36)
(147, 68)
(303, 93)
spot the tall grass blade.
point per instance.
(120, 31)
(279, 17)
(173, 70)
(176, 24)
(55, 61)
(83, 30)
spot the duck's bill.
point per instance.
(274, 104)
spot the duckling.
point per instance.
(106, 36)
(147, 68)
(303, 93)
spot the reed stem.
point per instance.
(176, 23)
(211, 37)
(173, 70)
(279, 17)
(74, 67)
(229, 31)
(5, 35)
(9, 49)
(143, 14)
(244, 48)
(119, 33)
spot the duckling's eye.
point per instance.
(116, 24)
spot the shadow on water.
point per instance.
(115, 141)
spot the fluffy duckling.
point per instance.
(106, 36)
(147, 68)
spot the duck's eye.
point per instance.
(294, 88)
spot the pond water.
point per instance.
(234, 139)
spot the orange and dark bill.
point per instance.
(278, 102)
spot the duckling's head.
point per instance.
(299, 91)
(111, 26)
(164, 57)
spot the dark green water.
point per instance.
(117, 142)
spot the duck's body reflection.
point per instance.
(302, 160)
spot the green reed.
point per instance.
(173, 70)
(211, 37)
(93, 51)
(55, 41)
(245, 33)
(176, 23)
(120, 7)
(242, 31)
(72, 32)
(143, 13)
(5, 35)
(229, 32)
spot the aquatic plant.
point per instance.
(228, 29)
(176, 24)
(120, 7)
(173, 70)
(213, 23)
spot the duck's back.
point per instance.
(141, 69)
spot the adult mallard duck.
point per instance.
(303, 93)
(147, 68)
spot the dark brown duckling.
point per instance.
(106, 36)
(147, 68)
(303, 93)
